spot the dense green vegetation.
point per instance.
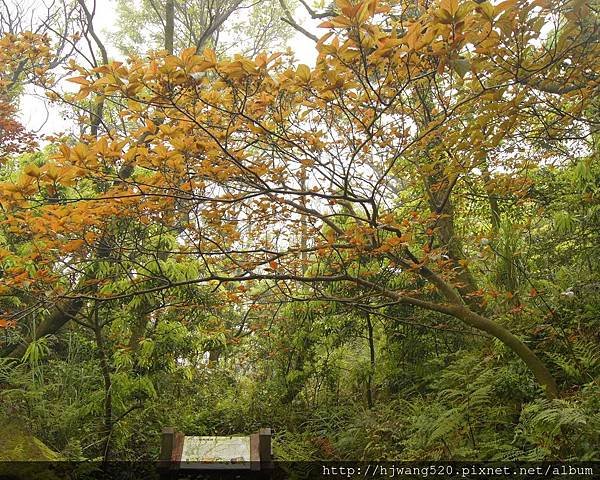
(437, 390)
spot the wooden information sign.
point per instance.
(251, 452)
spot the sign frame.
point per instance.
(171, 451)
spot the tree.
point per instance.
(101, 112)
(178, 24)
(14, 139)
(403, 109)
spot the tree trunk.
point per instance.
(493, 201)
(370, 402)
(539, 369)
(459, 310)
(49, 325)
(169, 25)
(439, 191)
(97, 111)
(138, 330)
(105, 369)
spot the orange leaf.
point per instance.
(6, 323)
(326, 25)
(73, 245)
(79, 80)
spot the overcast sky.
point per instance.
(37, 116)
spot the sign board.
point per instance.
(232, 452)
(251, 452)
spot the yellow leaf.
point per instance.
(373, 4)
(463, 10)
(443, 16)
(104, 80)
(248, 65)
(187, 54)
(351, 10)
(487, 9)
(504, 6)
(323, 39)
(32, 171)
(80, 151)
(261, 60)
(52, 172)
(102, 146)
(364, 12)
(451, 6)
(343, 4)
(341, 21)
(210, 56)
(303, 72)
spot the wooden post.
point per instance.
(171, 448)
(177, 449)
(254, 452)
(167, 443)
(264, 448)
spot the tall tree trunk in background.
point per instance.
(169, 25)
(439, 185)
(493, 201)
(141, 321)
(303, 223)
(439, 190)
(370, 402)
(105, 369)
(97, 110)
